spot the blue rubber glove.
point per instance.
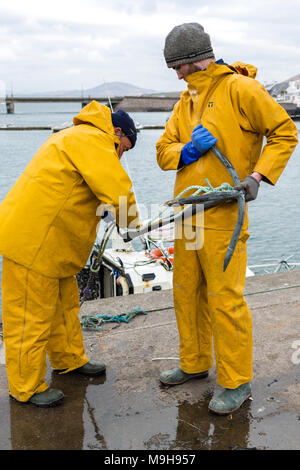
(189, 154)
(202, 139)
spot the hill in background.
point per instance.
(112, 89)
(105, 89)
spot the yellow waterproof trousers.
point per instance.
(210, 308)
(40, 316)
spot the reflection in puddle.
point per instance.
(97, 415)
(61, 427)
(199, 429)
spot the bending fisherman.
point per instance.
(48, 226)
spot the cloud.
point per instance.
(63, 44)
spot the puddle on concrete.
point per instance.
(95, 416)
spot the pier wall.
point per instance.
(147, 104)
(128, 103)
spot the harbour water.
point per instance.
(274, 216)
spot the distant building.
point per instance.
(292, 93)
(287, 91)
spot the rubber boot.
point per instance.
(230, 400)
(46, 399)
(92, 368)
(177, 376)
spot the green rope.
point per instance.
(95, 322)
(199, 189)
(206, 189)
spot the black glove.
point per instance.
(250, 185)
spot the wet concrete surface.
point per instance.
(128, 409)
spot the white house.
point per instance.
(291, 94)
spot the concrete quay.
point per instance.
(128, 409)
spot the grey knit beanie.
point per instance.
(187, 43)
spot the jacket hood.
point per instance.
(214, 71)
(244, 69)
(97, 115)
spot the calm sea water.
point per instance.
(274, 216)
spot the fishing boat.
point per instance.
(126, 269)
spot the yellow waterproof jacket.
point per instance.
(48, 219)
(237, 110)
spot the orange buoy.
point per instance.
(157, 254)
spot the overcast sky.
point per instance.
(71, 44)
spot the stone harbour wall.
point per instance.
(146, 104)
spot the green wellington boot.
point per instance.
(177, 376)
(91, 368)
(47, 399)
(230, 399)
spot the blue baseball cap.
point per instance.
(122, 119)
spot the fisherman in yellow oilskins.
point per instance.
(48, 224)
(226, 106)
